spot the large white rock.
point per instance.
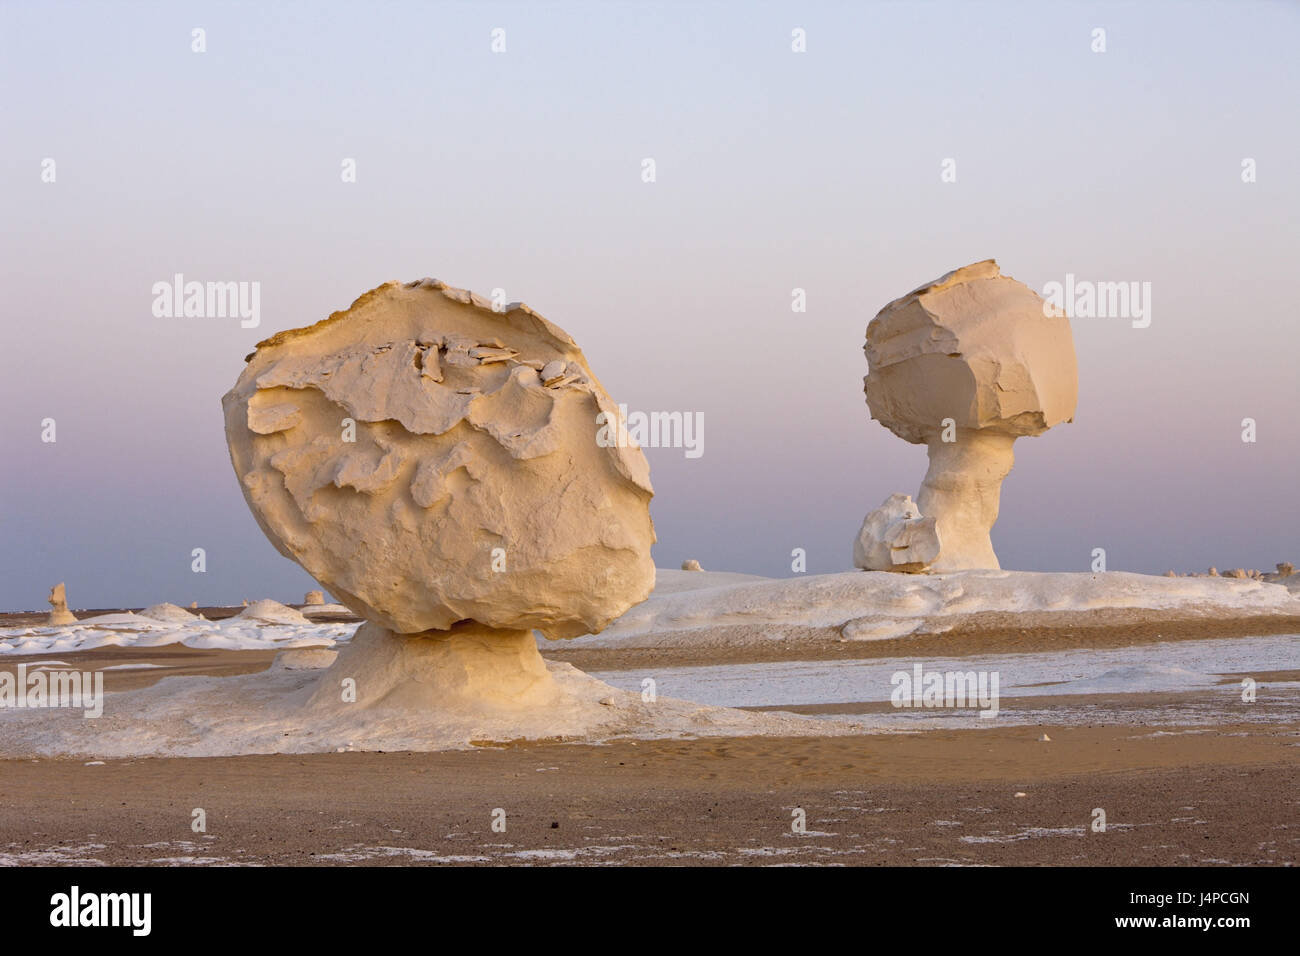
(432, 461)
(966, 365)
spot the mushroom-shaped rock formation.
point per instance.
(59, 613)
(966, 365)
(434, 463)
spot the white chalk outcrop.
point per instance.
(59, 613)
(966, 365)
(431, 460)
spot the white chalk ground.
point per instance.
(267, 713)
(1145, 668)
(874, 605)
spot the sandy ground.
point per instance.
(1183, 780)
(932, 799)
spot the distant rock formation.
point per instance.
(964, 365)
(691, 565)
(314, 597)
(59, 613)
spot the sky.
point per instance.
(522, 169)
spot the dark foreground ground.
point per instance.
(1226, 795)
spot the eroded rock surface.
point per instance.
(433, 461)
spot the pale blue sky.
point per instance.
(775, 170)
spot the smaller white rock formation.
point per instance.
(267, 611)
(895, 537)
(314, 597)
(59, 613)
(691, 565)
(965, 365)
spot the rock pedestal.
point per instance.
(469, 668)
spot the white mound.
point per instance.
(169, 614)
(273, 612)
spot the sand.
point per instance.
(939, 798)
